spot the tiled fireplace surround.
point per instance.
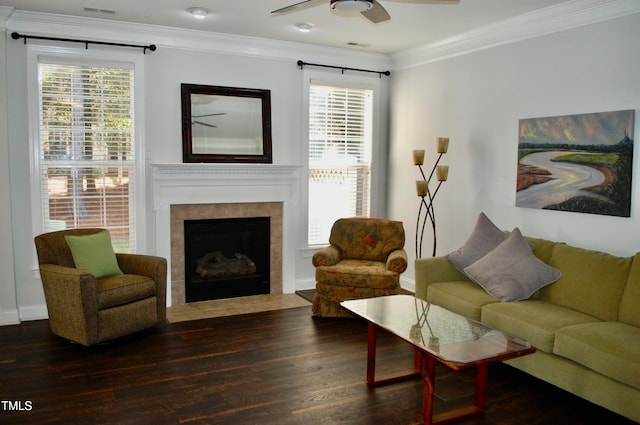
(205, 191)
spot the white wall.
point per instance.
(477, 99)
(8, 302)
(182, 57)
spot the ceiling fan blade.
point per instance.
(297, 6)
(377, 13)
(209, 115)
(205, 124)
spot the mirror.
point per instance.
(225, 124)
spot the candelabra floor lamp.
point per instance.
(426, 211)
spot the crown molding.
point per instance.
(561, 17)
(5, 13)
(53, 25)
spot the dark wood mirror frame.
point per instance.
(245, 112)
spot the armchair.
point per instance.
(90, 310)
(364, 259)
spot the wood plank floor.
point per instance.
(277, 367)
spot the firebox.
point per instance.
(226, 258)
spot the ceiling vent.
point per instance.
(356, 44)
(101, 11)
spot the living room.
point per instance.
(576, 57)
(473, 91)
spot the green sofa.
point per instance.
(585, 326)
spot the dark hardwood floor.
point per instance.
(279, 367)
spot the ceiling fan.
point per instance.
(370, 9)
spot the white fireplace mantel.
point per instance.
(179, 184)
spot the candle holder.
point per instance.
(426, 211)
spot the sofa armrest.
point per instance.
(397, 261)
(72, 301)
(153, 267)
(143, 265)
(327, 256)
(432, 270)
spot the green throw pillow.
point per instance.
(94, 253)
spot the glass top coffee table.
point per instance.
(438, 335)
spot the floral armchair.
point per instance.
(364, 259)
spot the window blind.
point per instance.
(86, 149)
(340, 146)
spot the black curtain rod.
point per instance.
(151, 47)
(302, 64)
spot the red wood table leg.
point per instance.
(464, 412)
(481, 386)
(428, 375)
(371, 361)
(429, 389)
(371, 353)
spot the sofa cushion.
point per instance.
(122, 289)
(629, 310)
(511, 272)
(534, 320)
(342, 293)
(484, 237)
(94, 253)
(358, 273)
(610, 348)
(592, 282)
(462, 297)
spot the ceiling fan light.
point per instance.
(351, 6)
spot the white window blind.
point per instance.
(340, 146)
(86, 149)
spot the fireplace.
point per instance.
(219, 191)
(226, 258)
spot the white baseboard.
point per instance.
(302, 284)
(33, 312)
(9, 317)
(408, 284)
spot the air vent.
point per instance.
(356, 44)
(101, 11)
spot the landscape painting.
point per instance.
(579, 163)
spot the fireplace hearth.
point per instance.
(226, 258)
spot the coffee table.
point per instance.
(438, 335)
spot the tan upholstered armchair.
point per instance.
(88, 310)
(364, 259)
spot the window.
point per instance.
(340, 151)
(85, 153)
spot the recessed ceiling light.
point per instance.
(198, 12)
(304, 27)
